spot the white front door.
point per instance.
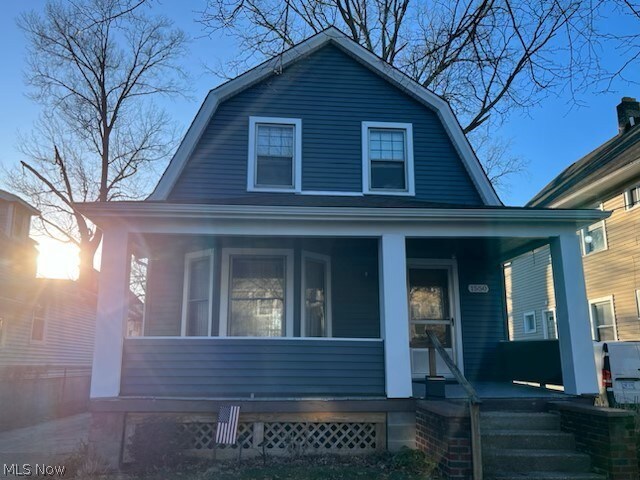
(432, 303)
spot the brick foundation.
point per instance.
(606, 434)
(443, 430)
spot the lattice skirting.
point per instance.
(283, 434)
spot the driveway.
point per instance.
(47, 442)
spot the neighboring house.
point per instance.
(46, 329)
(310, 198)
(608, 178)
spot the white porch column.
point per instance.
(572, 314)
(394, 314)
(110, 315)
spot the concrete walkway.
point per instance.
(47, 442)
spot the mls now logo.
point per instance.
(37, 470)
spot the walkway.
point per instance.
(47, 442)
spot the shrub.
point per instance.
(413, 461)
(158, 444)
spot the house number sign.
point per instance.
(478, 288)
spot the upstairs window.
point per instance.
(387, 153)
(594, 238)
(632, 197)
(274, 154)
(38, 324)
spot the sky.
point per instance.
(550, 136)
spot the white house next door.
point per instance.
(432, 307)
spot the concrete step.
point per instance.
(528, 439)
(546, 476)
(527, 461)
(490, 421)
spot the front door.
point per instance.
(431, 307)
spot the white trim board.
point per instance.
(294, 54)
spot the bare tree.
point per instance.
(485, 57)
(95, 66)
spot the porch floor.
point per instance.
(492, 390)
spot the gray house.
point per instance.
(608, 179)
(322, 213)
(46, 329)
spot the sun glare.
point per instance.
(57, 259)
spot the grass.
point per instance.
(406, 465)
(375, 467)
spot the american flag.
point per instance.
(227, 428)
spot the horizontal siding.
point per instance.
(69, 327)
(529, 289)
(332, 94)
(616, 271)
(264, 368)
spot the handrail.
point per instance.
(474, 405)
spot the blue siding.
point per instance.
(240, 368)
(332, 94)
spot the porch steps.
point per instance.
(529, 445)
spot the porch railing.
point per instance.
(474, 405)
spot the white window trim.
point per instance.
(545, 327)
(604, 237)
(524, 322)
(3, 329)
(627, 198)
(366, 164)
(326, 259)
(45, 314)
(186, 286)
(297, 154)
(638, 302)
(609, 299)
(227, 253)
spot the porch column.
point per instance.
(394, 314)
(572, 314)
(110, 315)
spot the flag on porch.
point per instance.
(227, 427)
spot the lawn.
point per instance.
(406, 465)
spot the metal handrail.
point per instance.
(474, 405)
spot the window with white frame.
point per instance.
(632, 197)
(638, 302)
(38, 324)
(530, 322)
(603, 319)
(594, 238)
(197, 294)
(274, 154)
(257, 293)
(316, 295)
(387, 158)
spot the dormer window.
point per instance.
(387, 158)
(275, 151)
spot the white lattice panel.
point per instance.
(308, 437)
(203, 435)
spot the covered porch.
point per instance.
(345, 296)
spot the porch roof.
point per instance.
(336, 209)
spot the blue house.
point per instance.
(321, 215)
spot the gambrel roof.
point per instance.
(277, 64)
